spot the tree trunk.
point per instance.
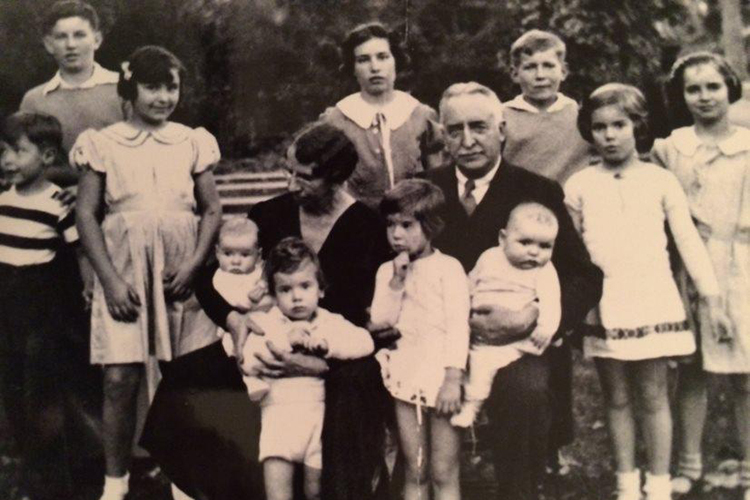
(731, 36)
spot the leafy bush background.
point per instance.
(260, 69)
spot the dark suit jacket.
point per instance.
(465, 238)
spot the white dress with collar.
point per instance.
(716, 180)
(150, 227)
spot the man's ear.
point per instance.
(564, 71)
(501, 129)
(501, 237)
(514, 74)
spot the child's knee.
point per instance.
(654, 398)
(417, 472)
(617, 400)
(444, 472)
(120, 381)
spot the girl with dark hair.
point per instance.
(622, 207)
(395, 135)
(150, 177)
(711, 159)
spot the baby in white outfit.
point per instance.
(513, 275)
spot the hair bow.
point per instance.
(126, 73)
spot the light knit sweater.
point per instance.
(545, 142)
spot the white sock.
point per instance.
(115, 488)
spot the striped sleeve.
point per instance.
(66, 225)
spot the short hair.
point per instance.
(469, 88)
(535, 41)
(238, 226)
(287, 257)
(676, 82)
(149, 64)
(627, 98)
(332, 155)
(40, 129)
(64, 9)
(534, 211)
(361, 34)
(420, 199)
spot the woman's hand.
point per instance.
(279, 363)
(721, 325)
(493, 325)
(239, 326)
(178, 282)
(123, 302)
(449, 397)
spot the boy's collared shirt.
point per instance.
(522, 104)
(100, 76)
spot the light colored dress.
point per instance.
(432, 314)
(622, 222)
(150, 227)
(716, 179)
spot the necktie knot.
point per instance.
(468, 200)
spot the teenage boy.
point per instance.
(82, 94)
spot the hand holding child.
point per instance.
(122, 299)
(448, 399)
(493, 325)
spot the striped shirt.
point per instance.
(33, 227)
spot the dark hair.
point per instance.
(288, 256)
(149, 64)
(364, 32)
(627, 98)
(419, 198)
(676, 83)
(42, 130)
(328, 149)
(535, 41)
(69, 8)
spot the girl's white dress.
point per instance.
(716, 180)
(622, 221)
(150, 227)
(432, 314)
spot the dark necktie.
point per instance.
(468, 200)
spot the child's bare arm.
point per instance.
(122, 299)
(87, 275)
(386, 301)
(178, 282)
(548, 292)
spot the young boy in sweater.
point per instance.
(82, 94)
(541, 135)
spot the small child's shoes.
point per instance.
(115, 488)
(658, 487)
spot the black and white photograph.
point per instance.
(375, 250)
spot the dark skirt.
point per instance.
(203, 430)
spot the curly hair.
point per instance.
(630, 100)
(287, 257)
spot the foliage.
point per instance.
(262, 68)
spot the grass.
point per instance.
(590, 478)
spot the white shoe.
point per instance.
(115, 488)
(658, 487)
(629, 485)
(467, 415)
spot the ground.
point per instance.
(590, 477)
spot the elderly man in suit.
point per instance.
(480, 191)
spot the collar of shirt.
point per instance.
(481, 185)
(364, 114)
(686, 140)
(522, 104)
(100, 76)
